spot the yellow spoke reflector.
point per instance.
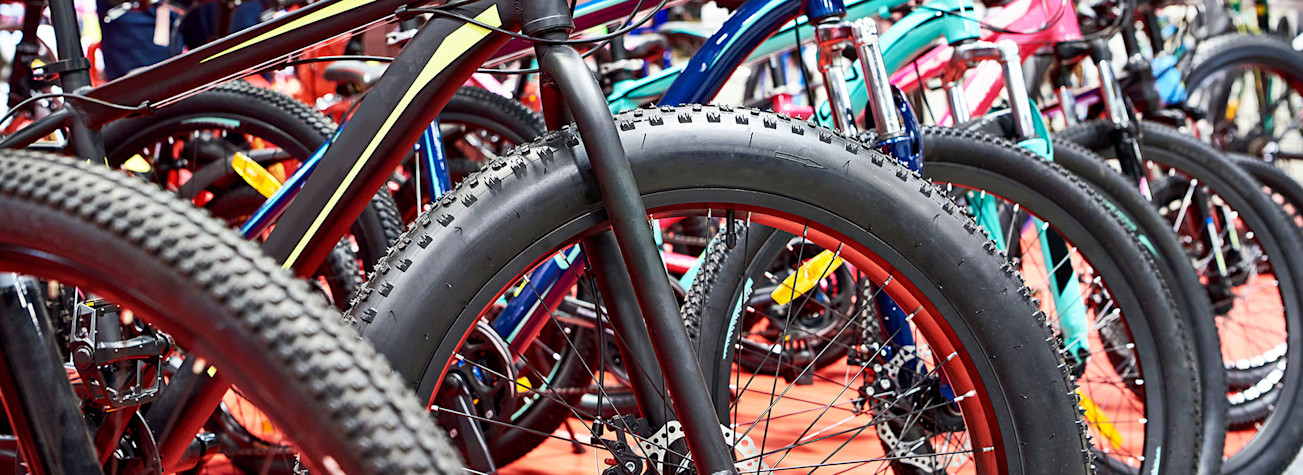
(523, 385)
(254, 174)
(137, 164)
(806, 276)
(1095, 416)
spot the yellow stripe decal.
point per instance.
(325, 12)
(452, 48)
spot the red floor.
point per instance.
(799, 417)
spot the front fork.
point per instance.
(1125, 138)
(568, 78)
(1030, 133)
(893, 118)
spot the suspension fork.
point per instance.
(571, 80)
(833, 36)
(895, 123)
(1004, 52)
(1063, 279)
(1125, 138)
(1125, 131)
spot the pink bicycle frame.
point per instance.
(1045, 25)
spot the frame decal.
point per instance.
(456, 44)
(325, 12)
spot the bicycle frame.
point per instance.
(442, 55)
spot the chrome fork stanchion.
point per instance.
(1114, 104)
(1068, 105)
(877, 79)
(833, 38)
(1006, 53)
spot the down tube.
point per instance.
(748, 27)
(415, 88)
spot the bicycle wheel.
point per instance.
(476, 126)
(216, 298)
(1247, 373)
(1283, 189)
(1251, 90)
(522, 209)
(189, 146)
(1191, 297)
(1134, 368)
(1252, 381)
(339, 277)
(1258, 303)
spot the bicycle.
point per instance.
(383, 139)
(114, 282)
(1226, 204)
(759, 13)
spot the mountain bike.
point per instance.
(110, 284)
(445, 52)
(753, 14)
(1214, 214)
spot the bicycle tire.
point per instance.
(1284, 190)
(220, 298)
(1229, 50)
(1192, 301)
(241, 106)
(1252, 393)
(509, 120)
(948, 156)
(671, 157)
(1238, 52)
(340, 272)
(1275, 445)
(981, 162)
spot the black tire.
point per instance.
(505, 122)
(1283, 189)
(1155, 326)
(1278, 440)
(1252, 382)
(678, 155)
(339, 273)
(509, 123)
(220, 298)
(243, 108)
(1192, 301)
(1287, 193)
(1210, 77)
(977, 161)
(1240, 373)
(1236, 49)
